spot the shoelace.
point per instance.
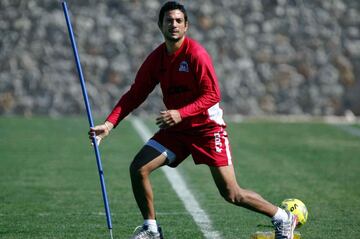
(283, 228)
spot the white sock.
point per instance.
(152, 225)
(280, 215)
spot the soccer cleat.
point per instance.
(285, 229)
(143, 232)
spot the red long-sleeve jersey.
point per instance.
(188, 83)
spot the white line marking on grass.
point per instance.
(349, 129)
(179, 186)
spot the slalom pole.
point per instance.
(90, 119)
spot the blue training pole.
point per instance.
(91, 122)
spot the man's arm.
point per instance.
(209, 88)
(143, 85)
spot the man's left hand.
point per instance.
(168, 118)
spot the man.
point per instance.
(192, 124)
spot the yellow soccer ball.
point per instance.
(296, 207)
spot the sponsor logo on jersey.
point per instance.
(184, 67)
(178, 89)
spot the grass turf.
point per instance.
(50, 186)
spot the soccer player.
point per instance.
(192, 124)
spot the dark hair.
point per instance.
(168, 6)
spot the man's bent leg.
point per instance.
(147, 160)
(228, 187)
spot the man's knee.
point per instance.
(147, 160)
(137, 168)
(233, 195)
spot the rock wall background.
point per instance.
(271, 56)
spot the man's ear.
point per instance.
(186, 26)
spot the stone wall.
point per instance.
(271, 56)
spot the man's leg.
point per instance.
(284, 222)
(147, 160)
(228, 187)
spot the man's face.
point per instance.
(174, 26)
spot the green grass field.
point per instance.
(50, 185)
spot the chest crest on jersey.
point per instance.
(184, 67)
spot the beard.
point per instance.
(172, 39)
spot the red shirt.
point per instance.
(188, 83)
